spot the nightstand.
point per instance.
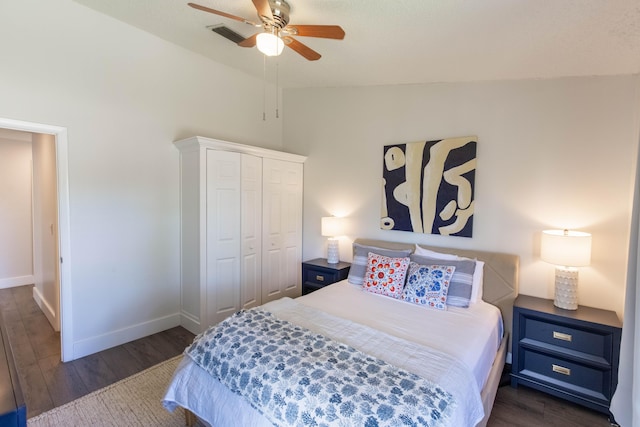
(571, 354)
(318, 273)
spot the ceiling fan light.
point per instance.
(269, 44)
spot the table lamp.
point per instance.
(333, 227)
(567, 250)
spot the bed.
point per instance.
(377, 333)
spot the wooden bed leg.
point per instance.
(189, 418)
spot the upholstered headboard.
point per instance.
(500, 275)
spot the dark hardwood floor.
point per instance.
(47, 382)
(526, 407)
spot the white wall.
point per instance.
(45, 227)
(551, 154)
(555, 153)
(16, 250)
(124, 96)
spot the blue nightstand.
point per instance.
(571, 354)
(318, 273)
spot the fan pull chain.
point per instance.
(277, 88)
(264, 88)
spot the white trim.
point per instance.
(190, 322)
(64, 235)
(11, 282)
(200, 141)
(46, 308)
(105, 341)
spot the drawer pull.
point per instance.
(561, 370)
(561, 336)
(320, 278)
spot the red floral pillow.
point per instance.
(385, 275)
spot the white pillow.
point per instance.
(478, 282)
(433, 254)
(478, 273)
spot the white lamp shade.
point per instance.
(566, 248)
(333, 226)
(269, 44)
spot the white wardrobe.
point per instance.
(241, 228)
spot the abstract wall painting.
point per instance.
(427, 187)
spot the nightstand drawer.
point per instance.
(319, 277)
(580, 380)
(579, 340)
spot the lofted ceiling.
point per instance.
(412, 41)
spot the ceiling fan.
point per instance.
(277, 33)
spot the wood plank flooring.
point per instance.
(526, 407)
(47, 382)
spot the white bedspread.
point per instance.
(471, 335)
(427, 342)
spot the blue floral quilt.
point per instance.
(295, 377)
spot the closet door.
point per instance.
(223, 236)
(282, 229)
(251, 232)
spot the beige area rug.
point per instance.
(133, 401)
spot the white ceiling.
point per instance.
(413, 41)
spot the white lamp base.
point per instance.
(333, 251)
(566, 294)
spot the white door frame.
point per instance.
(64, 235)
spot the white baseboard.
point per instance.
(190, 322)
(121, 336)
(49, 312)
(12, 282)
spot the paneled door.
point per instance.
(282, 229)
(223, 235)
(251, 231)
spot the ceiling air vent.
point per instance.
(227, 33)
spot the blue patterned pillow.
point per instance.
(461, 282)
(428, 285)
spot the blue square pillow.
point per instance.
(461, 283)
(428, 285)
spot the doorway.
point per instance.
(64, 266)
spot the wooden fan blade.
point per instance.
(323, 31)
(302, 49)
(225, 14)
(249, 41)
(263, 8)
